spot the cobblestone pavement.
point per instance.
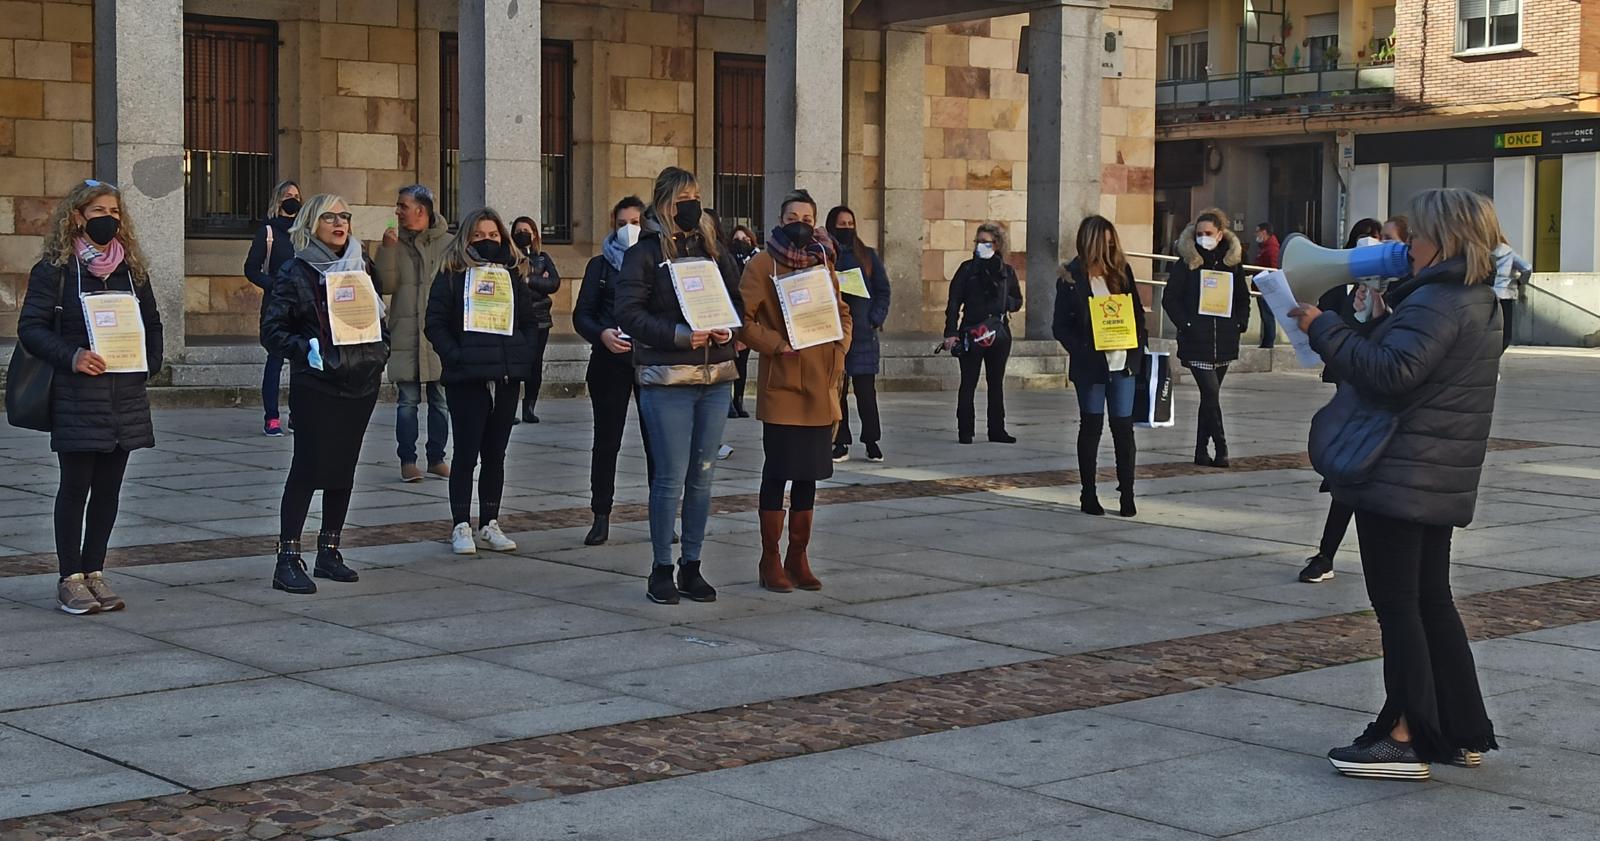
(984, 663)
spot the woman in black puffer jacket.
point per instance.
(1433, 361)
(543, 281)
(483, 372)
(1207, 343)
(98, 418)
(332, 388)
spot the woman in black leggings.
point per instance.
(99, 416)
(1210, 259)
(332, 387)
(484, 369)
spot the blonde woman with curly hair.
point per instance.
(99, 416)
(483, 372)
(332, 388)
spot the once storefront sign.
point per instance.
(1518, 140)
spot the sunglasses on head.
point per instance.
(90, 182)
(330, 217)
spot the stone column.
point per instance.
(1064, 47)
(138, 125)
(500, 56)
(805, 101)
(904, 56)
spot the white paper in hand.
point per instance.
(1280, 299)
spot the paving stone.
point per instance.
(760, 677)
(623, 652)
(295, 645)
(1281, 723)
(43, 776)
(512, 627)
(452, 687)
(1447, 812)
(107, 677)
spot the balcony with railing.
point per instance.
(1332, 86)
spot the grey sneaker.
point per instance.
(1467, 759)
(1379, 759)
(73, 596)
(102, 592)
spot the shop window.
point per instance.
(230, 81)
(1407, 181)
(740, 132)
(1188, 56)
(1488, 24)
(555, 130)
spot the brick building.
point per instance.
(1314, 114)
(919, 115)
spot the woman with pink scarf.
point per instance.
(98, 416)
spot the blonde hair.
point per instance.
(304, 229)
(63, 231)
(996, 230)
(672, 181)
(1463, 224)
(275, 206)
(458, 255)
(1096, 253)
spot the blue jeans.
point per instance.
(405, 422)
(271, 378)
(1114, 398)
(684, 423)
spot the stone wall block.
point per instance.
(1008, 206)
(43, 138)
(968, 82)
(197, 294)
(345, 41)
(68, 101)
(21, 176)
(653, 28)
(674, 63)
(23, 20)
(672, 129)
(383, 184)
(391, 44)
(345, 113)
(82, 63)
(989, 175)
(391, 116)
(373, 12)
(31, 216)
(8, 137)
(83, 141)
(62, 22)
(21, 98)
(652, 95)
(629, 59)
(648, 161)
(1008, 145)
(8, 58)
(19, 253)
(632, 127)
(8, 215)
(61, 176)
(369, 78)
(745, 9)
(933, 80)
(368, 151)
(992, 52)
(948, 50)
(949, 112)
(43, 60)
(966, 143)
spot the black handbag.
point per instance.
(29, 381)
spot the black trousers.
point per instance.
(611, 384)
(1333, 529)
(742, 362)
(1507, 305)
(1269, 323)
(91, 484)
(802, 494)
(992, 360)
(867, 402)
(1209, 426)
(540, 341)
(1428, 672)
(481, 416)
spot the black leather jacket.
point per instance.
(295, 312)
(647, 308)
(479, 357)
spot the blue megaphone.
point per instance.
(1313, 270)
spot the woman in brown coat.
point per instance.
(797, 392)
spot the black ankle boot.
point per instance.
(290, 575)
(600, 532)
(692, 585)
(1089, 428)
(1127, 457)
(1202, 437)
(1221, 443)
(330, 564)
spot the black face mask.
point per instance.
(687, 214)
(523, 239)
(489, 251)
(845, 236)
(102, 229)
(742, 248)
(289, 207)
(799, 233)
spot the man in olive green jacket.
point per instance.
(407, 262)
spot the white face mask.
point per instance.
(1366, 241)
(985, 250)
(1206, 243)
(628, 235)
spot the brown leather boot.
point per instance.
(771, 567)
(796, 562)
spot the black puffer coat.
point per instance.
(981, 289)
(479, 357)
(294, 313)
(90, 414)
(1070, 326)
(543, 281)
(1206, 338)
(1436, 360)
(647, 308)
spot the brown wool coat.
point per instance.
(795, 389)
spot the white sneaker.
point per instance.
(461, 540)
(492, 538)
(723, 452)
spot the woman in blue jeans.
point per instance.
(1104, 379)
(683, 373)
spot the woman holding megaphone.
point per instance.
(1209, 302)
(1403, 443)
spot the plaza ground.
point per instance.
(984, 663)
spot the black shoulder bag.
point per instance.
(29, 380)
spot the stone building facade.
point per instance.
(931, 135)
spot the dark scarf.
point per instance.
(821, 249)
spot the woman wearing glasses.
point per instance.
(332, 387)
(99, 416)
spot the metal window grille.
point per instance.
(230, 123)
(555, 122)
(740, 139)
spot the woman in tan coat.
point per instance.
(797, 392)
